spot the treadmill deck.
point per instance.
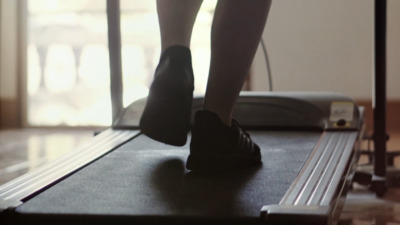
(145, 178)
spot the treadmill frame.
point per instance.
(316, 196)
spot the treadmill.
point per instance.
(309, 144)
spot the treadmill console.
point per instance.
(275, 110)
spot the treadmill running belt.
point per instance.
(146, 178)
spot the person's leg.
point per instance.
(236, 32)
(218, 142)
(176, 19)
(166, 117)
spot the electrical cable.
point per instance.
(267, 64)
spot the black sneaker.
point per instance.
(215, 146)
(166, 117)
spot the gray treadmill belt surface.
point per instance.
(146, 178)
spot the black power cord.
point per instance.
(267, 64)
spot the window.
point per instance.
(68, 65)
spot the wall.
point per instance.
(9, 98)
(327, 46)
(313, 45)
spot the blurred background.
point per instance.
(55, 65)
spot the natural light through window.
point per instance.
(68, 64)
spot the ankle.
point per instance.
(225, 118)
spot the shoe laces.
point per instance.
(235, 123)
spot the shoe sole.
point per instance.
(166, 118)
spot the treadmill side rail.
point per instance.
(316, 192)
(289, 214)
(16, 191)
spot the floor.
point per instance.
(363, 208)
(24, 150)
